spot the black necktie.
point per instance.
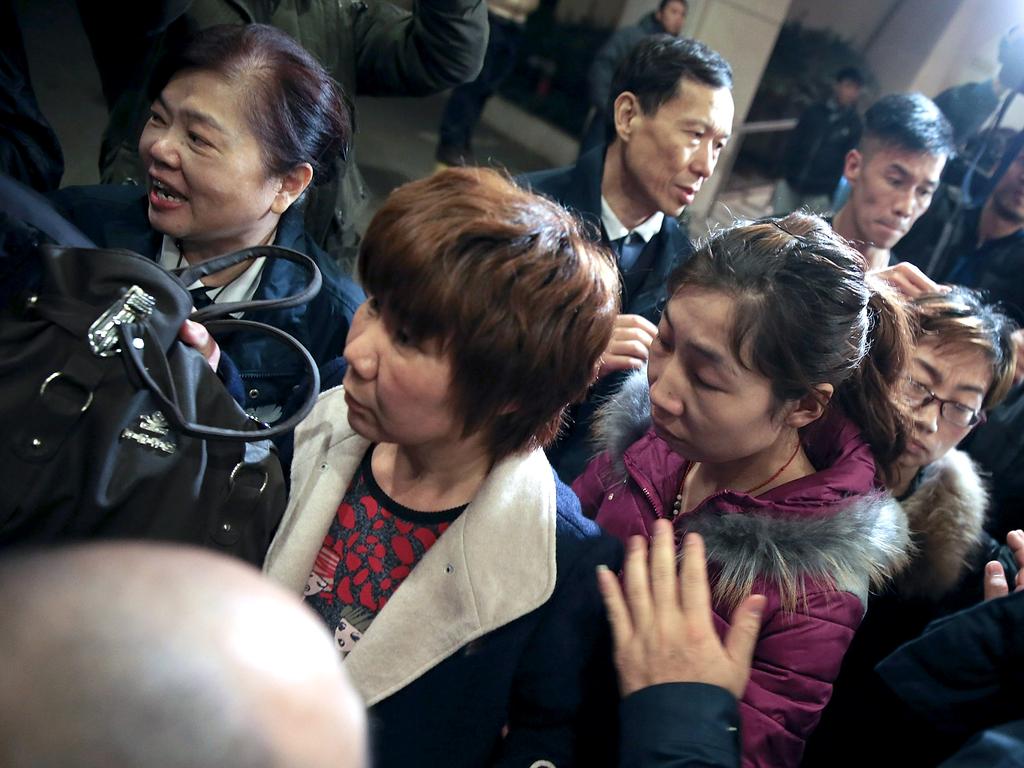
(200, 298)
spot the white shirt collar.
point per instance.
(242, 288)
(616, 230)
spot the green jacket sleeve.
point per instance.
(439, 45)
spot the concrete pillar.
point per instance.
(744, 31)
(901, 48)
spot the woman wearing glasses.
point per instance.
(961, 367)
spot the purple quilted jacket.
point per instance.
(833, 533)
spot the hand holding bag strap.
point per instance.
(189, 275)
(169, 400)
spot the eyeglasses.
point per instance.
(919, 396)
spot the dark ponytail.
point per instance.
(871, 396)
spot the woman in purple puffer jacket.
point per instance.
(770, 399)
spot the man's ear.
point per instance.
(852, 165)
(626, 110)
(810, 407)
(291, 186)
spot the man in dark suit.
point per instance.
(673, 113)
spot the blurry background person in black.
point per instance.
(817, 147)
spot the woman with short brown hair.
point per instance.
(426, 526)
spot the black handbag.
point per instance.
(113, 428)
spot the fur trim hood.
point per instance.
(946, 515)
(834, 529)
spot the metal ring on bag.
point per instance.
(56, 375)
(243, 465)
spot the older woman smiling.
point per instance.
(243, 121)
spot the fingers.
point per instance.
(663, 568)
(196, 336)
(910, 280)
(630, 345)
(995, 581)
(613, 363)
(638, 588)
(632, 348)
(638, 324)
(615, 604)
(1015, 541)
(744, 630)
(694, 581)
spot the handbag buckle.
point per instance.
(134, 306)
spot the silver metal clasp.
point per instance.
(134, 306)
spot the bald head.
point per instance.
(149, 655)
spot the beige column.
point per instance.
(743, 31)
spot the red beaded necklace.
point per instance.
(678, 503)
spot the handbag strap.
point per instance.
(169, 402)
(189, 275)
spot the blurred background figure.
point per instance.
(817, 148)
(969, 106)
(132, 655)
(669, 19)
(507, 19)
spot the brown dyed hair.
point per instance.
(960, 318)
(509, 285)
(805, 316)
(297, 111)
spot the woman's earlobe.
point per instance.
(291, 186)
(811, 406)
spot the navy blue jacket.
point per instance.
(477, 686)
(115, 216)
(675, 725)
(962, 676)
(578, 188)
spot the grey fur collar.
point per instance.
(855, 548)
(946, 515)
(623, 419)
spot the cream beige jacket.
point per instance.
(495, 563)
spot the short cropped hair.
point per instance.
(294, 107)
(910, 122)
(655, 67)
(853, 74)
(509, 284)
(961, 318)
(684, 3)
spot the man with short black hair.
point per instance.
(893, 173)
(673, 113)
